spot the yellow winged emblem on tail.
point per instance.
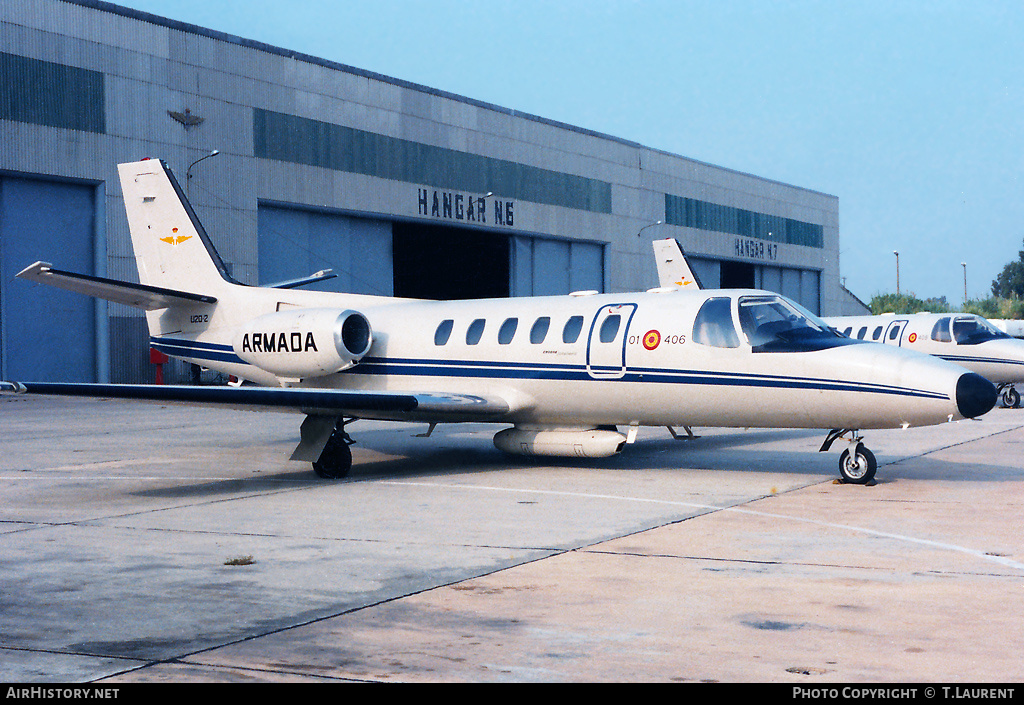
(175, 240)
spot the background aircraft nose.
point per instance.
(975, 395)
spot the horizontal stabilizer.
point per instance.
(149, 298)
(322, 275)
(397, 406)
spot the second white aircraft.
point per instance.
(963, 338)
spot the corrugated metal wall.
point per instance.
(47, 93)
(85, 85)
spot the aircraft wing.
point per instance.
(388, 406)
(149, 298)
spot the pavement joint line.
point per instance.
(993, 434)
(753, 512)
(784, 564)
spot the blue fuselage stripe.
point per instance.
(196, 351)
(967, 359)
(525, 370)
(497, 369)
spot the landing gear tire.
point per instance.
(858, 467)
(335, 460)
(1011, 398)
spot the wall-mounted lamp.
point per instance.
(188, 172)
(649, 225)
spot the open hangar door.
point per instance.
(419, 260)
(446, 263)
(381, 257)
(46, 334)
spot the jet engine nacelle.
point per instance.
(306, 342)
(591, 443)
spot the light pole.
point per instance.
(964, 265)
(195, 369)
(897, 272)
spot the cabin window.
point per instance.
(713, 325)
(610, 327)
(443, 332)
(507, 331)
(862, 332)
(895, 332)
(571, 332)
(539, 331)
(940, 333)
(475, 332)
(848, 330)
(877, 334)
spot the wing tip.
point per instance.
(34, 269)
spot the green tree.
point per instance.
(1010, 282)
(906, 303)
(986, 308)
(996, 307)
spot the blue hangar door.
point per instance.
(296, 242)
(46, 334)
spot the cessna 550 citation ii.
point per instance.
(565, 372)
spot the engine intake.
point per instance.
(307, 342)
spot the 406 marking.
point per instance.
(653, 338)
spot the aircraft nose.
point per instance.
(975, 395)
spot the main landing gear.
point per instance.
(857, 464)
(1009, 395)
(335, 459)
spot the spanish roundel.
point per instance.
(651, 339)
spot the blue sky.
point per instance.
(910, 112)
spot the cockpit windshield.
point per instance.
(774, 324)
(971, 330)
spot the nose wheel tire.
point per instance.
(1011, 398)
(857, 467)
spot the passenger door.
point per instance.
(894, 333)
(606, 346)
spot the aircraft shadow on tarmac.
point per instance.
(380, 454)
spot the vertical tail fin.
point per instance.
(673, 269)
(172, 250)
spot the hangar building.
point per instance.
(399, 188)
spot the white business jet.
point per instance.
(963, 338)
(566, 372)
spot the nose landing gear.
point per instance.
(857, 464)
(1009, 396)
